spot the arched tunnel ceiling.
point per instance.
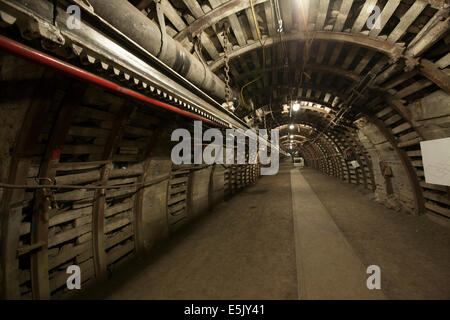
(326, 54)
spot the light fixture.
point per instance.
(292, 136)
(296, 106)
(291, 126)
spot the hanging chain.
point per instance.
(226, 58)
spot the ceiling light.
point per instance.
(292, 136)
(291, 126)
(296, 106)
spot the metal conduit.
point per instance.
(25, 52)
(134, 24)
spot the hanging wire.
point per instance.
(85, 187)
(308, 43)
(255, 22)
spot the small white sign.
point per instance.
(436, 161)
(355, 164)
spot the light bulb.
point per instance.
(291, 126)
(296, 106)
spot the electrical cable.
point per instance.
(87, 187)
(263, 54)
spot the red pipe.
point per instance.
(25, 52)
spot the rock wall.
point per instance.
(401, 196)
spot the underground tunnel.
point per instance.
(224, 150)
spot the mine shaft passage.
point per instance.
(224, 149)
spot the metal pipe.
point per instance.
(25, 52)
(134, 24)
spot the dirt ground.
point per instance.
(244, 249)
(412, 252)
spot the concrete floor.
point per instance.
(245, 249)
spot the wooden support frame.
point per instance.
(433, 73)
(214, 16)
(98, 209)
(11, 210)
(338, 143)
(392, 50)
(43, 206)
(358, 144)
(410, 172)
(139, 196)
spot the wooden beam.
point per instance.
(364, 14)
(342, 15)
(235, 24)
(389, 49)
(444, 62)
(237, 30)
(433, 73)
(143, 4)
(219, 12)
(322, 14)
(98, 209)
(350, 57)
(335, 54)
(209, 46)
(40, 216)
(286, 7)
(364, 61)
(399, 79)
(173, 15)
(407, 19)
(302, 13)
(249, 14)
(11, 210)
(385, 15)
(321, 52)
(434, 30)
(194, 7)
(409, 169)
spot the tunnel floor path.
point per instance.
(412, 252)
(244, 249)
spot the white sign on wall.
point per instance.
(436, 161)
(355, 164)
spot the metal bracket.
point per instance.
(31, 26)
(6, 19)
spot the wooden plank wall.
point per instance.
(104, 141)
